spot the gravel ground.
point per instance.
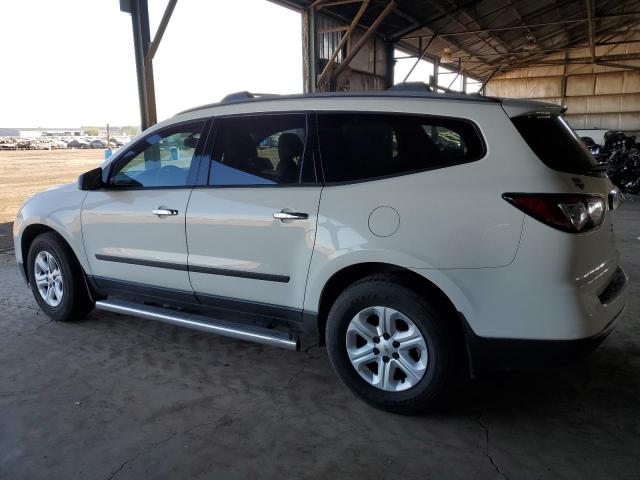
(117, 397)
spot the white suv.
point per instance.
(416, 233)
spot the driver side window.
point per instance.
(161, 160)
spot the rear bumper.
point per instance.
(504, 354)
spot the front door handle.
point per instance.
(284, 215)
(164, 211)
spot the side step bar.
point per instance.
(204, 324)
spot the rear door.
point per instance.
(134, 228)
(251, 228)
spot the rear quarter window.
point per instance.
(555, 143)
(361, 146)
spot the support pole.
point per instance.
(434, 77)
(145, 50)
(311, 50)
(592, 48)
(132, 7)
(150, 89)
(390, 62)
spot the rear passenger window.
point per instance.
(361, 146)
(258, 150)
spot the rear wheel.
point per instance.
(389, 345)
(56, 279)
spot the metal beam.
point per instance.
(143, 14)
(585, 60)
(343, 41)
(424, 51)
(336, 2)
(132, 7)
(618, 65)
(309, 53)
(530, 25)
(418, 25)
(363, 40)
(161, 29)
(145, 50)
(486, 80)
(592, 48)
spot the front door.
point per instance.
(134, 228)
(251, 230)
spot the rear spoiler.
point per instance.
(519, 107)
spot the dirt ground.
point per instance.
(25, 172)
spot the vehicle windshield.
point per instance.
(555, 143)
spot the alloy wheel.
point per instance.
(386, 348)
(48, 277)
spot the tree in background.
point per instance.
(131, 131)
(91, 131)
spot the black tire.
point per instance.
(75, 302)
(435, 327)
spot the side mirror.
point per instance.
(91, 180)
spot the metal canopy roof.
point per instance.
(494, 35)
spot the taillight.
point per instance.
(567, 212)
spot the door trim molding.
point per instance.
(227, 272)
(140, 261)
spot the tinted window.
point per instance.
(161, 160)
(360, 146)
(555, 143)
(258, 150)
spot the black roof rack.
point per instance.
(411, 90)
(242, 96)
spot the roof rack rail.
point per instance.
(240, 96)
(410, 87)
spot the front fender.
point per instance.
(58, 209)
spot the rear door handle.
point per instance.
(164, 211)
(283, 215)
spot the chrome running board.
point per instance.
(204, 324)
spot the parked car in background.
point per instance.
(58, 144)
(78, 143)
(98, 143)
(27, 144)
(419, 235)
(8, 144)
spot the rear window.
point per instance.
(360, 146)
(555, 143)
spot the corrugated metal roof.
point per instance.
(489, 35)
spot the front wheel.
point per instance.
(56, 279)
(389, 345)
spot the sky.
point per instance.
(70, 63)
